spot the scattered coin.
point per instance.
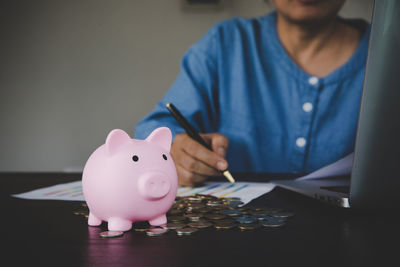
(194, 199)
(248, 226)
(156, 231)
(246, 220)
(277, 219)
(272, 224)
(193, 216)
(111, 234)
(270, 218)
(186, 231)
(195, 205)
(224, 225)
(187, 216)
(283, 214)
(232, 213)
(215, 216)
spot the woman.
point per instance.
(279, 93)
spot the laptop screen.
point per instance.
(375, 177)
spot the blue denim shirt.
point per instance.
(238, 80)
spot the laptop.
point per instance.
(374, 181)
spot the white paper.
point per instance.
(340, 167)
(72, 191)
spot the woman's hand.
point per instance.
(194, 163)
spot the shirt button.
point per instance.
(300, 142)
(313, 80)
(307, 107)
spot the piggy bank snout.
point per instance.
(154, 185)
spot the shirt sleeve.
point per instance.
(193, 92)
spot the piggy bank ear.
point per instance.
(161, 136)
(115, 139)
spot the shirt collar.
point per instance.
(356, 61)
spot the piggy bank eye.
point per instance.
(164, 156)
(135, 158)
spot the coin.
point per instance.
(175, 225)
(194, 199)
(246, 219)
(248, 226)
(200, 224)
(232, 213)
(224, 225)
(156, 231)
(193, 216)
(270, 218)
(188, 213)
(111, 234)
(272, 224)
(214, 203)
(283, 214)
(195, 205)
(186, 231)
(277, 219)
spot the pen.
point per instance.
(193, 134)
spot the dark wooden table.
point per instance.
(47, 233)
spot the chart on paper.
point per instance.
(67, 192)
(246, 191)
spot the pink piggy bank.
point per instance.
(127, 180)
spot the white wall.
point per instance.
(73, 70)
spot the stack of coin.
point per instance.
(205, 212)
(190, 214)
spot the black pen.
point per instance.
(193, 134)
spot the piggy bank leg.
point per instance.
(161, 220)
(93, 220)
(118, 224)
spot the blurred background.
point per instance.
(73, 70)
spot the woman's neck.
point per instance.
(318, 48)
